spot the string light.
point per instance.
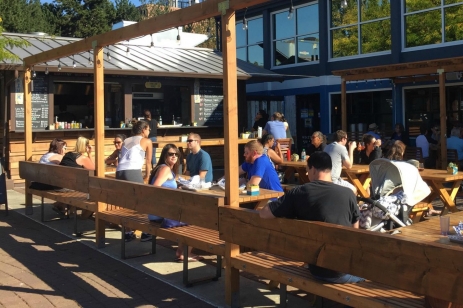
(46, 68)
(59, 65)
(291, 10)
(33, 72)
(152, 43)
(127, 52)
(73, 62)
(344, 4)
(245, 21)
(178, 35)
(90, 62)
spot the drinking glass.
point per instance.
(444, 225)
(421, 167)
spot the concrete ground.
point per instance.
(44, 265)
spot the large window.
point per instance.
(295, 38)
(249, 43)
(430, 22)
(359, 27)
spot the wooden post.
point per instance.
(343, 105)
(231, 144)
(99, 133)
(28, 130)
(443, 119)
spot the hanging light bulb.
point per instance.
(291, 10)
(108, 55)
(33, 72)
(74, 65)
(343, 4)
(127, 52)
(59, 66)
(208, 31)
(178, 35)
(245, 21)
(46, 69)
(152, 43)
(90, 62)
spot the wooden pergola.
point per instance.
(204, 10)
(404, 73)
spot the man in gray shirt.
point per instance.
(339, 157)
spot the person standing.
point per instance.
(339, 157)
(198, 161)
(135, 151)
(153, 136)
(258, 167)
(275, 127)
(319, 200)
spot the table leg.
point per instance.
(447, 199)
(358, 184)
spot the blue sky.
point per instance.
(135, 2)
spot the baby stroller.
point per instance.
(395, 188)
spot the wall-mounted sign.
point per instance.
(152, 85)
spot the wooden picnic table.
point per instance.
(204, 142)
(359, 176)
(298, 167)
(436, 178)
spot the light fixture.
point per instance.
(208, 31)
(178, 35)
(59, 65)
(127, 52)
(46, 69)
(343, 4)
(73, 62)
(108, 55)
(152, 43)
(90, 62)
(33, 72)
(291, 10)
(245, 21)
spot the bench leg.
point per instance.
(153, 244)
(42, 211)
(283, 296)
(185, 266)
(123, 257)
(188, 283)
(218, 269)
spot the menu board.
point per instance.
(209, 102)
(39, 104)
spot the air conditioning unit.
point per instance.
(453, 76)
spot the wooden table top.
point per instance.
(264, 194)
(204, 142)
(440, 175)
(302, 164)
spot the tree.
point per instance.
(125, 10)
(23, 16)
(9, 42)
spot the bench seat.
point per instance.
(74, 198)
(288, 272)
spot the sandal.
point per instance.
(190, 259)
(59, 210)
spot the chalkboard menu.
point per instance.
(209, 102)
(39, 103)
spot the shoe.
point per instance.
(190, 259)
(129, 236)
(145, 237)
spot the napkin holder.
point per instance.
(253, 191)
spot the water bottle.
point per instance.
(160, 120)
(259, 132)
(173, 120)
(303, 155)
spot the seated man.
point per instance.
(258, 167)
(318, 143)
(455, 143)
(319, 200)
(198, 162)
(339, 158)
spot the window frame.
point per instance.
(247, 45)
(359, 33)
(273, 39)
(442, 8)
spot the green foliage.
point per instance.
(23, 16)
(9, 42)
(125, 10)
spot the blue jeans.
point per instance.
(346, 278)
(153, 158)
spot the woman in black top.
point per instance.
(371, 151)
(153, 133)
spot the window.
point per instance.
(296, 40)
(428, 22)
(361, 27)
(249, 43)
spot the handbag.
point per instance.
(170, 223)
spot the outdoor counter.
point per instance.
(14, 147)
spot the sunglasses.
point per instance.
(117, 142)
(172, 154)
(190, 140)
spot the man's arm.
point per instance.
(266, 213)
(355, 225)
(254, 180)
(202, 174)
(348, 161)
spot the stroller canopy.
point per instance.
(386, 175)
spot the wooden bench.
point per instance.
(281, 247)
(74, 182)
(198, 210)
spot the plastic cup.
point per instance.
(444, 225)
(421, 167)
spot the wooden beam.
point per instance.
(231, 143)
(28, 130)
(343, 105)
(443, 119)
(204, 10)
(99, 110)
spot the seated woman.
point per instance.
(113, 159)
(55, 152)
(267, 142)
(163, 175)
(397, 151)
(79, 160)
(400, 134)
(371, 151)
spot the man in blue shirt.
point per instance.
(258, 167)
(198, 162)
(455, 143)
